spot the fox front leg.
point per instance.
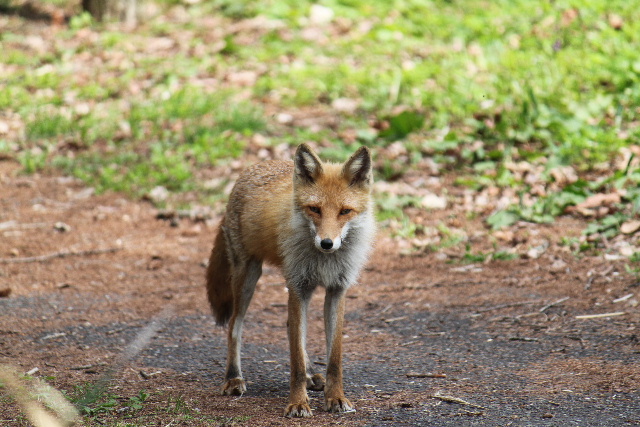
(298, 399)
(334, 399)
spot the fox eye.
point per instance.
(315, 209)
(345, 211)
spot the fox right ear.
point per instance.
(308, 165)
(358, 170)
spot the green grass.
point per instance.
(476, 85)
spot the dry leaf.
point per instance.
(432, 201)
(630, 227)
(505, 236)
(564, 175)
(615, 21)
(568, 16)
(243, 78)
(598, 200)
(320, 15)
(345, 105)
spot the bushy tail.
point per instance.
(219, 289)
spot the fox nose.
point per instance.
(326, 244)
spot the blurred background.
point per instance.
(506, 144)
(500, 111)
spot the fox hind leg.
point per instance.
(315, 381)
(244, 278)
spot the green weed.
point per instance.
(91, 400)
(470, 257)
(391, 205)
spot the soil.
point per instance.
(503, 336)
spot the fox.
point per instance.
(315, 221)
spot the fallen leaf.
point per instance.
(243, 78)
(598, 200)
(159, 44)
(193, 231)
(615, 21)
(628, 251)
(320, 15)
(630, 227)
(536, 252)
(568, 16)
(284, 118)
(564, 175)
(314, 34)
(432, 201)
(158, 194)
(345, 105)
(505, 236)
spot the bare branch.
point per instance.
(54, 255)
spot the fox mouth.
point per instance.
(328, 251)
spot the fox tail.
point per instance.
(219, 289)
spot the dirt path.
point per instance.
(502, 336)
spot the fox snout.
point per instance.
(328, 245)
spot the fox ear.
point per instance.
(308, 165)
(357, 170)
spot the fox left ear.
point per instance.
(357, 170)
(308, 165)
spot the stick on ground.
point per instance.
(62, 254)
(598, 316)
(451, 399)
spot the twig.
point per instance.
(451, 399)
(606, 271)
(425, 375)
(590, 280)
(597, 316)
(548, 306)
(62, 254)
(13, 225)
(624, 298)
(525, 339)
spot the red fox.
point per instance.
(315, 220)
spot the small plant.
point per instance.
(391, 205)
(92, 400)
(177, 405)
(401, 125)
(137, 402)
(634, 268)
(478, 257)
(82, 20)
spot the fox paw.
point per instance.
(338, 405)
(234, 387)
(316, 382)
(298, 410)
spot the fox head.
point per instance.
(332, 197)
